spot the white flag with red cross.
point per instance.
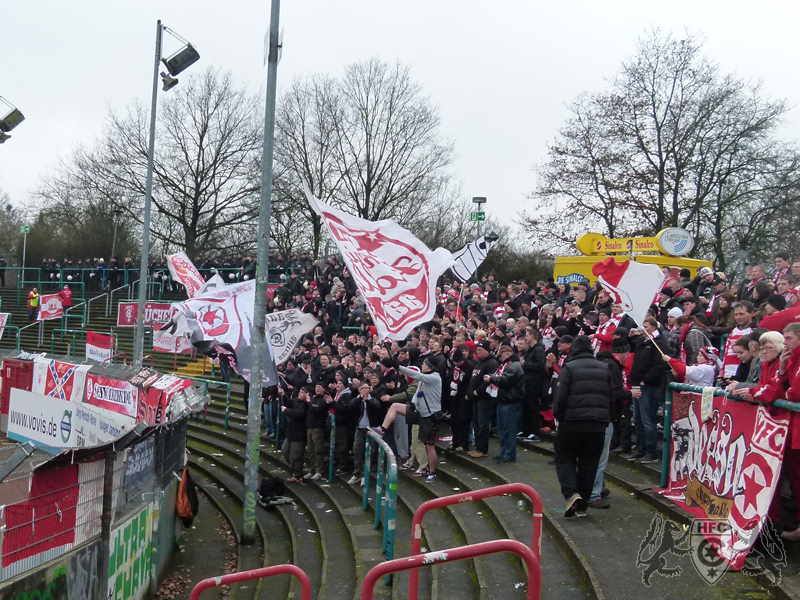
(630, 283)
(395, 271)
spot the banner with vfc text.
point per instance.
(726, 468)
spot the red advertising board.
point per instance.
(154, 312)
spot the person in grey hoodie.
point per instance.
(424, 406)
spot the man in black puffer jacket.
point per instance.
(582, 406)
(510, 393)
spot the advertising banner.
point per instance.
(98, 346)
(725, 469)
(55, 423)
(111, 394)
(154, 312)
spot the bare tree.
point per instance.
(388, 145)
(671, 143)
(206, 174)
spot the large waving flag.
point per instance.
(632, 284)
(223, 316)
(470, 257)
(395, 272)
(182, 269)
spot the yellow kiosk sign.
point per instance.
(667, 249)
(672, 241)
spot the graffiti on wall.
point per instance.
(129, 565)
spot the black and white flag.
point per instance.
(470, 257)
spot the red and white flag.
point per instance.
(182, 270)
(4, 317)
(98, 346)
(51, 308)
(632, 284)
(164, 341)
(395, 272)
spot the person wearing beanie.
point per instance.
(582, 407)
(294, 444)
(621, 437)
(481, 397)
(509, 383)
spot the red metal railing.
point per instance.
(454, 554)
(473, 496)
(305, 584)
(111, 358)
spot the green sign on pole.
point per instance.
(25, 229)
(477, 216)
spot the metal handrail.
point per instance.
(224, 384)
(67, 315)
(111, 358)
(473, 496)
(305, 584)
(12, 327)
(35, 323)
(132, 295)
(418, 561)
(89, 305)
(385, 491)
(40, 284)
(112, 292)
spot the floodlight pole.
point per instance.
(259, 314)
(138, 338)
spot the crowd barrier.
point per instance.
(385, 491)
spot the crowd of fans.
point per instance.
(526, 358)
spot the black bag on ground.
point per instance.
(270, 488)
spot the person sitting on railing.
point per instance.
(420, 411)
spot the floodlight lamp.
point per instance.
(181, 60)
(479, 200)
(10, 119)
(491, 237)
(169, 82)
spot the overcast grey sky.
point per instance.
(500, 72)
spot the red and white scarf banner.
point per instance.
(726, 468)
(632, 284)
(182, 270)
(395, 271)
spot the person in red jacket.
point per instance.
(780, 378)
(779, 320)
(65, 296)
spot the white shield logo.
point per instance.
(705, 536)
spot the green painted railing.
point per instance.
(385, 491)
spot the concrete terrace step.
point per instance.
(609, 540)
(347, 533)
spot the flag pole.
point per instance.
(260, 310)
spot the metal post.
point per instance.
(24, 248)
(158, 497)
(105, 522)
(379, 489)
(367, 460)
(259, 314)
(331, 448)
(666, 450)
(138, 338)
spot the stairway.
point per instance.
(326, 533)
